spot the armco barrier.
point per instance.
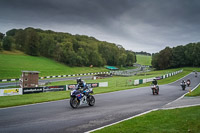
(58, 76)
(141, 81)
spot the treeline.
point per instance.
(73, 50)
(143, 53)
(180, 56)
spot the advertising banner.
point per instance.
(92, 85)
(54, 88)
(136, 82)
(11, 92)
(103, 84)
(71, 86)
(32, 90)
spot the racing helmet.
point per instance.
(78, 80)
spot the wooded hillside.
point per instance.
(73, 50)
(180, 56)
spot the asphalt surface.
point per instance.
(44, 81)
(111, 107)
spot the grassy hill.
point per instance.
(12, 63)
(143, 59)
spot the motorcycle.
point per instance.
(188, 83)
(81, 97)
(155, 89)
(183, 85)
(195, 74)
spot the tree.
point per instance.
(130, 58)
(7, 43)
(196, 58)
(11, 32)
(47, 46)
(154, 60)
(164, 60)
(122, 60)
(178, 56)
(1, 36)
(32, 42)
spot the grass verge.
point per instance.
(163, 121)
(9, 101)
(196, 92)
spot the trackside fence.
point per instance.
(141, 81)
(58, 76)
(131, 82)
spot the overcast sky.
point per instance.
(138, 25)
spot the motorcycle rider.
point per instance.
(183, 82)
(188, 82)
(195, 73)
(81, 85)
(154, 82)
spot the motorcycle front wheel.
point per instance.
(74, 102)
(183, 88)
(91, 100)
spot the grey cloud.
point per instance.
(148, 25)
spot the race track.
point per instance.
(59, 117)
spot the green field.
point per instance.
(13, 63)
(185, 120)
(143, 59)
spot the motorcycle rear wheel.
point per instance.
(157, 92)
(91, 100)
(74, 102)
(153, 91)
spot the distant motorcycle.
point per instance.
(183, 85)
(79, 97)
(195, 74)
(155, 89)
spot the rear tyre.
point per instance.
(74, 102)
(91, 100)
(157, 91)
(153, 91)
